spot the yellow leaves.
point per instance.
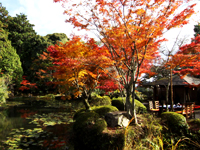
(140, 11)
(77, 93)
(82, 73)
(72, 79)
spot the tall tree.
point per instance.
(44, 61)
(78, 66)
(10, 65)
(4, 17)
(20, 30)
(130, 30)
(187, 58)
(26, 42)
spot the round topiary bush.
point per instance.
(84, 119)
(175, 122)
(139, 107)
(102, 110)
(97, 100)
(78, 113)
(119, 102)
(99, 125)
(87, 129)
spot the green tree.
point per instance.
(4, 17)
(56, 37)
(10, 65)
(26, 42)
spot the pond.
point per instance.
(36, 124)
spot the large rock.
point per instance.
(117, 118)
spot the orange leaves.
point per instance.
(180, 19)
(77, 64)
(26, 85)
(130, 32)
(187, 58)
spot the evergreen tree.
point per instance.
(26, 41)
(10, 65)
(4, 17)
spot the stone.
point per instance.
(117, 118)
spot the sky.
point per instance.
(46, 15)
(48, 18)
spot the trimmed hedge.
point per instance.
(88, 133)
(175, 122)
(139, 107)
(89, 121)
(102, 110)
(119, 103)
(98, 100)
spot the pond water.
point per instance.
(34, 124)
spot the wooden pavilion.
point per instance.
(185, 89)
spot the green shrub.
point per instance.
(113, 141)
(139, 107)
(99, 125)
(119, 103)
(78, 113)
(195, 121)
(175, 122)
(88, 133)
(85, 120)
(88, 128)
(98, 100)
(102, 110)
(3, 90)
(115, 94)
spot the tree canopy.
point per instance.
(131, 31)
(78, 66)
(10, 65)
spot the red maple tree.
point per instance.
(130, 30)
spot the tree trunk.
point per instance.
(133, 105)
(172, 101)
(86, 103)
(167, 95)
(128, 103)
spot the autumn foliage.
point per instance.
(79, 66)
(26, 85)
(130, 30)
(187, 58)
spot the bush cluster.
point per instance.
(97, 100)
(88, 129)
(175, 122)
(120, 104)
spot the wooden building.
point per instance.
(185, 89)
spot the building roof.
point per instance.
(177, 80)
